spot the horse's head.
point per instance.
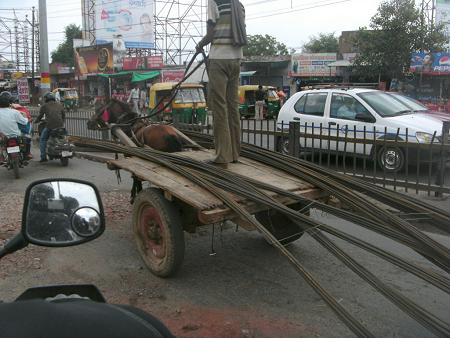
(100, 118)
(113, 112)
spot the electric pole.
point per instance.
(32, 56)
(43, 48)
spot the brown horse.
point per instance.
(157, 136)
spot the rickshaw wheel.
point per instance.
(158, 232)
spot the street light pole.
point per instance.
(43, 48)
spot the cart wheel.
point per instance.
(280, 226)
(158, 232)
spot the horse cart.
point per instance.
(172, 204)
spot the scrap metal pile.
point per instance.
(358, 197)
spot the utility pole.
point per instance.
(43, 48)
(32, 55)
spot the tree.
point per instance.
(323, 43)
(259, 45)
(64, 51)
(397, 29)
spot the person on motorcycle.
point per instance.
(9, 120)
(54, 118)
(25, 129)
(52, 224)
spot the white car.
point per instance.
(372, 114)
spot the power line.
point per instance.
(296, 10)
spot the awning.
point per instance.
(249, 73)
(135, 76)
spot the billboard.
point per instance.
(23, 91)
(143, 62)
(131, 19)
(172, 75)
(430, 63)
(93, 59)
(314, 64)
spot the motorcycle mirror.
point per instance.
(62, 212)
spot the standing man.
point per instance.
(134, 98)
(143, 99)
(54, 118)
(282, 95)
(260, 96)
(226, 33)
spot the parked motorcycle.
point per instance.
(60, 213)
(12, 151)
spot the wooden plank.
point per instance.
(221, 214)
(209, 208)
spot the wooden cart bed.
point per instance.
(209, 208)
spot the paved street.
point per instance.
(244, 289)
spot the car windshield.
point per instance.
(384, 104)
(410, 102)
(272, 94)
(190, 95)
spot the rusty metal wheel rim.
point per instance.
(151, 234)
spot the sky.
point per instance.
(291, 22)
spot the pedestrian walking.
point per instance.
(142, 100)
(281, 95)
(226, 33)
(134, 98)
(260, 96)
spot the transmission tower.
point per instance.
(427, 8)
(16, 35)
(178, 26)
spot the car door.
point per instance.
(349, 119)
(310, 109)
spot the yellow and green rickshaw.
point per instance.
(247, 101)
(188, 106)
(68, 96)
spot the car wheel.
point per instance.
(391, 159)
(283, 145)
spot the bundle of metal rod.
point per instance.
(214, 180)
(326, 179)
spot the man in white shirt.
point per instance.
(134, 98)
(226, 33)
(9, 118)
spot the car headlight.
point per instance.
(425, 137)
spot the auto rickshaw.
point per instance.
(188, 106)
(69, 97)
(247, 101)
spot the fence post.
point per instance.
(294, 138)
(440, 175)
(105, 134)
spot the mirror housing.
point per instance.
(62, 212)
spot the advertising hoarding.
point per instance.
(93, 60)
(155, 62)
(172, 75)
(143, 62)
(23, 91)
(131, 19)
(430, 63)
(131, 63)
(313, 64)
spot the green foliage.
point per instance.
(259, 45)
(64, 51)
(397, 30)
(323, 43)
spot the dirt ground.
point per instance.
(232, 284)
